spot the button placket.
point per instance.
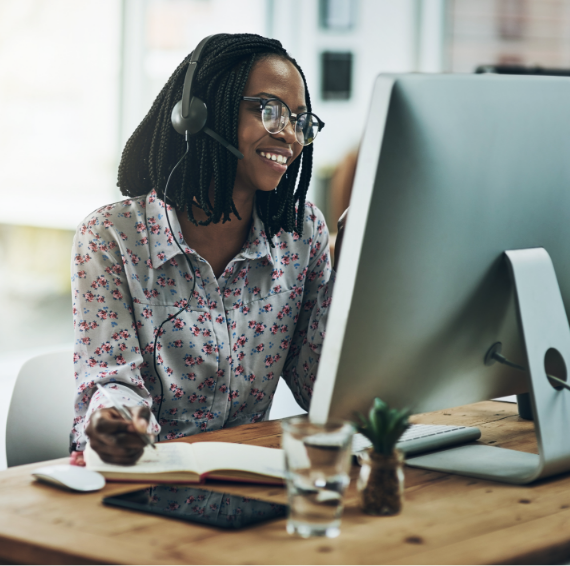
(212, 294)
(229, 305)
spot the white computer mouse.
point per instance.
(75, 478)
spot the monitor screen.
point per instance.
(453, 170)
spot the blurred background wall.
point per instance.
(76, 78)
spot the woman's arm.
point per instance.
(300, 368)
(107, 349)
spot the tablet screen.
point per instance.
(224, 510)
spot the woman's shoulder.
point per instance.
(306, 245)
(120, 218)
(314, 224)
(314, 218)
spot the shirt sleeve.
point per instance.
(107, 349)
(300, 368)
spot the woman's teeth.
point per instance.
(274, 157)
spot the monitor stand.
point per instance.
(545, 327)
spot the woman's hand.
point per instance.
(116, 440)
(339, 237)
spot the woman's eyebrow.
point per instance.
(269, 95)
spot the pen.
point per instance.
(125, 414)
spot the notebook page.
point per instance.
(172, 457)
(213, 456)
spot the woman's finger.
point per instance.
(342, 220)
(141, 418)
(121, 459)
(129, 440)
(109, 421)
(111, 449)
(340, 237)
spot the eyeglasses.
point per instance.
(275, 115)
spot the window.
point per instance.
(507, 32)
(511, 18)
(337, 15)
(336, 75)
(59, 82)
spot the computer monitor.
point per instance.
(453, 171)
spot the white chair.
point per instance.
(41, 410)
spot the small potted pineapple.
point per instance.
(381, 479)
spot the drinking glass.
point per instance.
(318, 459)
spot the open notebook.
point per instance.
(180, 462)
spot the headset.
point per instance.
(190, 114)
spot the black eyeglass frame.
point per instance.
(293, 118)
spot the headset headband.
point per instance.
(189, 78)
(190, 114)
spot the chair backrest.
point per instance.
(284, 404)
(41, 410)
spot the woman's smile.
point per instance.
(276, 158)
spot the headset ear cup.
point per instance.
(178, 122)
(197, 114)
(196, 120)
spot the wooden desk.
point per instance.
(447, 519)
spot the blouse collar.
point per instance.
(161, 240)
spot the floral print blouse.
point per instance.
(220, 358)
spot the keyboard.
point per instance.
(424, 438)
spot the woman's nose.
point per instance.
(287, 134)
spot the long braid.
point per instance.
(154, 147)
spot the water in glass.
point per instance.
(318, 465)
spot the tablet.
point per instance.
(196, 505)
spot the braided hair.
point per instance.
(155, 147)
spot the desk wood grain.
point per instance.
(447, 519)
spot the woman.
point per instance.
(190, 317)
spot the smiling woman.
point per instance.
(191, 311)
